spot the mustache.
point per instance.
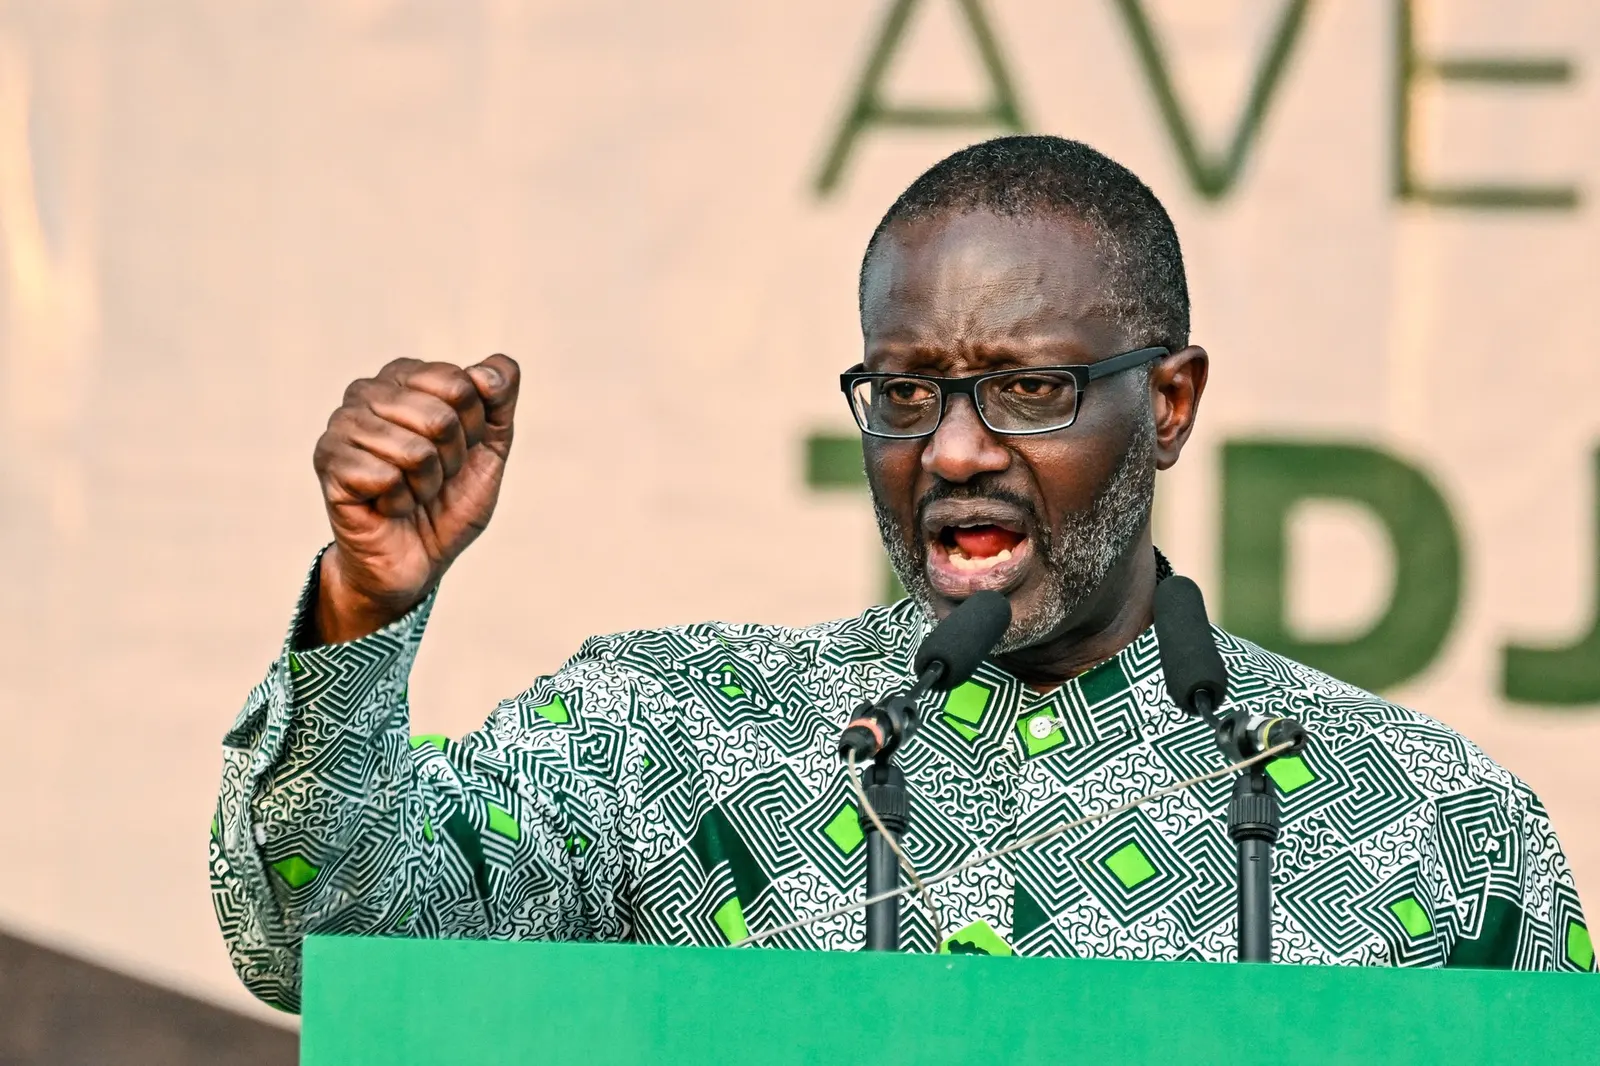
(978, 489)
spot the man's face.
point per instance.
(1040, 518)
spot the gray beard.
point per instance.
(1077, 557)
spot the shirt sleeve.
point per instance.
(1552, 934)
(332, 818)
(1529, 916)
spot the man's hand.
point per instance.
(410, 468)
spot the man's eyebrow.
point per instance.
(982, 361)
(907, 359)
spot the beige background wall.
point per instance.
(213, 216)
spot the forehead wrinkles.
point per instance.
(979, 276)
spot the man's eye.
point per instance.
(1034, 388)
(906, 390)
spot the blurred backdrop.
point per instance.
(213, 216)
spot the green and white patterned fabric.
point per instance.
(680, 786)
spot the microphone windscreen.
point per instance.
(965, 638)
(1189, 655)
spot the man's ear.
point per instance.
(1176, 385)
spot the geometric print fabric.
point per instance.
(680, 786)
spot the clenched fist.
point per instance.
(410, 467)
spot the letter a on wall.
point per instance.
(1263, 481)
(868, 108)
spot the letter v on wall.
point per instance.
(1213, 176)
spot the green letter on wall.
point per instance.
(869, 109)
(833, 461)
(1560, 676)
(1262, 481)
(1213, 177)
(1412, 67)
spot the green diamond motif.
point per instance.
(730, 686)
(730, 919)
(968, 701)
(1580, 949)
(960, 727)
(1290, 773)
(436, 739)
(1103, 682)
(1040, 732)
(555, 711)
(979, 938)
(427, 829)
(577, 844)
(1130, 865)
(296, 871)
(294, 664)
(500, 821)
(1412, 917)
(845, 829)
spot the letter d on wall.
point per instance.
(1263, 480)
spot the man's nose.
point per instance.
(963, 447)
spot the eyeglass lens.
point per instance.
(1025, 401)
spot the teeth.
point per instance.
(962, 561)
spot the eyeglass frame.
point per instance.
(1082, 374)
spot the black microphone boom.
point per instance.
(1197, 680)
(948, 656)
(964, 639)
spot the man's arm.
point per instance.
(1528, 916)
(333, 819)
(1553, 933)
(312, 831)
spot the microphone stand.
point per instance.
(885, 787)
(1197, 680)
(1253, 823)
(890, 722)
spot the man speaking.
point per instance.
(1026, 371)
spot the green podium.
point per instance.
(398, 1002)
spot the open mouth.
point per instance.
(980, 547)
(975, 546)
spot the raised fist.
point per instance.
(410, 467)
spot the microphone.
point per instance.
(948, 656)
(1197, 680)
(963, 640)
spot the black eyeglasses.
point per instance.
(1035, 399)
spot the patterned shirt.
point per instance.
(681, 786)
